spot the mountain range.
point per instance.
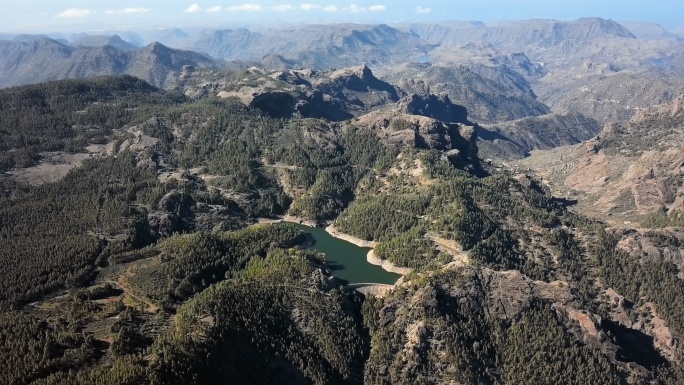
(520, 183)
(543, 65)
(44, 59)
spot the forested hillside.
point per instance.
(145, 263)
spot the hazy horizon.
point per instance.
(33, 16)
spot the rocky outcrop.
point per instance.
(278, 104)
(510, 292)
(438, 107)
(457, 141)
(357, 89)
(174, 214)
(334, 95)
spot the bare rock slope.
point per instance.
(631, 168)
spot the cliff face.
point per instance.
(333, 95)
(438, 107)
(421, 131)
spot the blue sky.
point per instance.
(83, 15)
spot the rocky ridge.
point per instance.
(488, 93)
(516, 139)
(312, 46)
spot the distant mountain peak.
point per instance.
(521, 34)
(363, 72)
(115, 41)
(179, 33)
(50, 45)
(155, 45)
(27, 38)
(649, 31)
(47, 42)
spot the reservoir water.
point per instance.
(346, 260)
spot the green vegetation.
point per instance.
(482, 215)
(64, 216)
(660, 219)
(70, 114)
(537, 349)
(191, 263)
(453, 326)
(643, 281)
(145, 266)
(271, 311)
(271, 323)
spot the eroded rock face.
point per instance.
(630, 169)
(434, 106)
(335, 95)
(456, 140)
(277, 104)
(174, 213)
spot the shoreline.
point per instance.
(335, 233)
(332, 230)
(291, 219)
(387, 265)
(370, 256)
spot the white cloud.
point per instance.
(377, 8)
(127, 11)
(193, 8)
(330, 8)
(309, 6)
(247, 7)
(214, 9)
(72, 13)
(423, 10)
(355, 9)
(282, 8)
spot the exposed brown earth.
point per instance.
(629, 169)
